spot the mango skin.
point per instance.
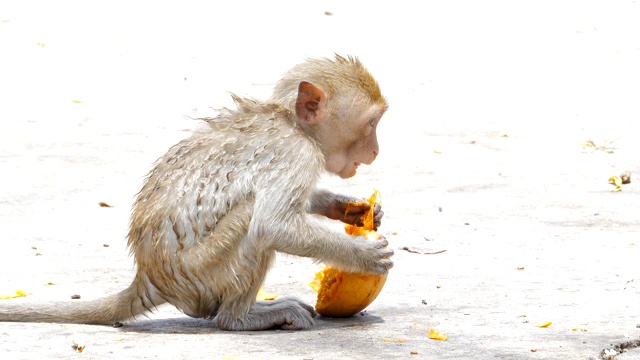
(344, 294)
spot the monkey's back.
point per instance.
(200, 179)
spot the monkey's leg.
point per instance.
(239, 309)
(221, 277)
(198, 279)
(287, 313)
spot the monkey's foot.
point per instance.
(287, 313)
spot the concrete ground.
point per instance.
(506, 121)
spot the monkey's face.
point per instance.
(344, 126)
(359, 146)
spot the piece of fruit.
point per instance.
(15, 294)
(264, 295)
(433, 334)
(616, 181)
(342, 294)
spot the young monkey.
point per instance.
(215, 209)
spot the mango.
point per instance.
(342, 294)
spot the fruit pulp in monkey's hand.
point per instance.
(342, 294)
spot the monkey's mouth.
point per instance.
(356, 164)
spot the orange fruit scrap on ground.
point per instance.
(342, 294)
(437, 336)
(264, 295)
(11, 295)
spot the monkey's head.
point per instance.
(339, 104)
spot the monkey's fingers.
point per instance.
(355, 204)
(381, 242)
(361, 208)
(377, 219)
(385, 252)
(387, 264)
(375, 258)
(297, 317)
(383, 266)
(353, 218)
(377, 208)
(309, 308)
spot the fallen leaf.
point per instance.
(544, 324)
(78, 344)
(76, 101)
(437, 336)
(603, 145)
(416, 250)
(104, 204)
(393, 340)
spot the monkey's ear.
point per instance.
(311, 103)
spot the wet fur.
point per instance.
(209, 219)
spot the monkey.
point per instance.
(214, 210)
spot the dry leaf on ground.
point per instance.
(393, 340)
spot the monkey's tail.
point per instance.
(107, 310)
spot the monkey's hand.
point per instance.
(374, 255)
(352, 214)
(334, 206)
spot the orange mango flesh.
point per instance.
(342, 294)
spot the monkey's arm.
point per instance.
(304, 237)
(282, 224)
(334, 206)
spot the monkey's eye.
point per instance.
(372, 122)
